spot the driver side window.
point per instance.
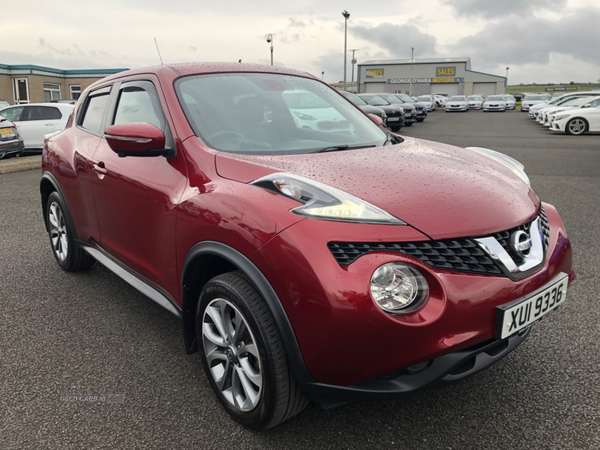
(136, 105)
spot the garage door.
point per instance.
(450, 89)
(484, 89)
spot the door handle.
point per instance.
(100, 169)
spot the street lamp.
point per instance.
(507, 75)
(270, 41)
(346, 15)
(353, 61)
(412, 58)
(322, 76)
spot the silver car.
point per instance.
(531, 100)
(510, 101)
(428, 101)
(495, 103)
(457, 103)
(475, 101)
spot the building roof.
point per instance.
(417, 61)
(30, 69)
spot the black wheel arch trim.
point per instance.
(47, 176)
(264, 288)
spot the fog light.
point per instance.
(398, 288)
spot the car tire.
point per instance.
(70, 257)
(247, 369)
(409, 124)
(396, 129)
(576, 126)
(420, 120)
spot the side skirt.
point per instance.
(133, 279)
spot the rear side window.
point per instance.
(135, 105)
(13, 114)
(41, 113)
(94, 113)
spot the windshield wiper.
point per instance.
(337, 148)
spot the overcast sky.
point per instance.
(554, 41)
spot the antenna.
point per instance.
(158, 50)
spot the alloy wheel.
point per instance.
(232, 355)
(576, 126)
(58, 232)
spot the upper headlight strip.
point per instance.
(321, 201)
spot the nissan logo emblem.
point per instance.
(521, 243)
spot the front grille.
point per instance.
(461, 255)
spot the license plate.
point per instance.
(391, 119)
(515, 316)
(6, 131)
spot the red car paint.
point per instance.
(149, 212)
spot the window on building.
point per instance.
(51, 92)
(21, 90)
(75, 91)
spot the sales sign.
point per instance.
(445, 71)
(374, 73)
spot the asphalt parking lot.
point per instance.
(66, 338)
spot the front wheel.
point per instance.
(243, 356)
(420, 120)
(576, 126)
(395, 129)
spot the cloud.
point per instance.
(296, 23)
(397, 39)
(533, 40)
(491, 9)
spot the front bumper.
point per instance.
(457, 108)
(347, 341)
(444, 370)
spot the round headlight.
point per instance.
(398, 288)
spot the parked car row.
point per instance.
(34, 121)
(574, 113)
(395, 110)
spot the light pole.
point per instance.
(353, 62)
(270, 41)
(322, 76)
(507, 75)
(346, 15)
(412, 58)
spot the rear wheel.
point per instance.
(243, 356)
(576, 126)
(68, 254)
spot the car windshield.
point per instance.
(495, 98)
(391, 98)
(354, 98)
(475, 98)
(425, 98)
(458, 98)
(405, 98)
(374, 100)
(534, 97)
(272, 113)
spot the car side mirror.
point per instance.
(376, 119)
(136, 139)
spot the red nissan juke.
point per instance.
(311, 254)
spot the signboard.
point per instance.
(445, 71)
(374, 73)
(561, 88)
(425, 80)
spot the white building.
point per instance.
(429, 76)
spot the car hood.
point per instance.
(441, 190)
(371, 109)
